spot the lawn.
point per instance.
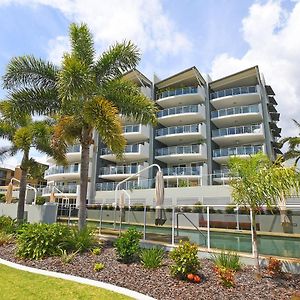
(15, 284)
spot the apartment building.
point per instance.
(201, 123)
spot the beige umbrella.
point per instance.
(160, 218)
(52, 197)
(9, 191)
(122, 206)
(285, 220)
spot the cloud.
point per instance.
(144, 22)
(272, 34)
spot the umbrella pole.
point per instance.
(145, 212)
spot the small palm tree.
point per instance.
(293, 145)
(23, 133)
(258, 181)
(86, 93)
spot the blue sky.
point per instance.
(217, 36)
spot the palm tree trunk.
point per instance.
(84, 170)
(23, 183)
(255, 244)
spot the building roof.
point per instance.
(138, 77)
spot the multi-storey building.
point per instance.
(201, 123)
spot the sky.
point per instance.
(219, 37)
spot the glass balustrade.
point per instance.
(113, 170)
(178, 110)
(131, 128)
(243, 150)
(178, 129)
(62, 169)
(128, 149)
(235, 111)
(234, 91)
(73, 149)
(128, 185)
(177, 91)
(181, 171)
(69, 188)
(236, 130)
(190, 149)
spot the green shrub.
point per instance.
(66, 257)
(36, 241)
(229, 210)
(227, 260)
(5, 238)
(152, 258)
(8, 225)
(81, 241)
(197, 209)
(185, 260)
(2, 198)
(40, 200)
(127, 245)
(96, 251)
(98, 267)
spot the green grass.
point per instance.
(15, 284)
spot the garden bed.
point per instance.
(158, 283)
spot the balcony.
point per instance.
(221, 156)
(65, 190)
(237, 115)
(119, 172)
(128, 185)
(180, 96)
(189, 153)
(182, 172)
(61, 172)
(73, 154)
(181, 134)
(182, 115)
(221, 177)
(238, 135)
(136, 133)
(238, 96)
(133, 152)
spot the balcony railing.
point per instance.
(114, 170)
(178, 129)
(237, 130)
(135, 148)
(73, 149)
(61, 170)
(178, 110)
(244, 150)
(178, 91)
(235, 111)
(128, 185)
(190, 149)
(234, 91)
(131, 128)
(181, 171)
(69, 188)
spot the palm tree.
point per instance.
(293, 145)
(87, 94)
(23, 133)
(258, 181)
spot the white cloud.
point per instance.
(274, 45)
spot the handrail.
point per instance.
(177, 224)
(27, 186)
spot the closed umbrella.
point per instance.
(122, 206)
(283, 212)
(160, 214)
(9, 191)
(52, 197)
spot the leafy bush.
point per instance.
(127, 245)
(2, 198)
(8, 225)
(98, 267)
(39, 240)
(185, 260)
(197, 209)
(96, 251)
(40, 200)
(66, 257)
(227, 260)
(229, 209)
(81, 241)
(274, 267)
(5, 238)
(226, 276)
(152, 258)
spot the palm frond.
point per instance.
(126, 96)
(103, 116)
(297, 123)
(28, 71)
(7, 151)
(119, 58)
(82, 44)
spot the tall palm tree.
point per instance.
(86, 93)
(23, 133)
(293, 145)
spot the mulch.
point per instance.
(159, 283)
